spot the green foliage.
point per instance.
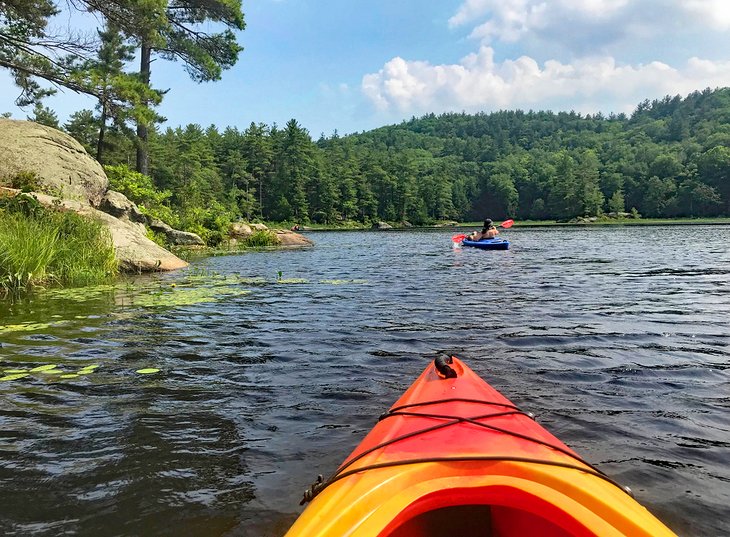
(525, 165)
(260, 238)
(617, 204)
(210, 223)
(25, 181)
(141, 190)
(84, 128)
(40, 246)
(44, 116)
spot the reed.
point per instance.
(41, 247)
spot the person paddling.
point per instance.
(489, 231)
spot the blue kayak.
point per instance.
(488, 244)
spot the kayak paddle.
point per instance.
(504, 225)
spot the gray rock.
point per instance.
(159, 226)
(291, 238)
(240, 230)
(382, 225)
(174, 236)
(62, 165)
(183, 238)
(118, 205)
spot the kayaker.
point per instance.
(489, 231)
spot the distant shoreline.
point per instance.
(519, 224)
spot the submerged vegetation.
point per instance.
(40, 246)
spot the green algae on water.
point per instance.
(184, 297)
(24, 327)
(81, 294)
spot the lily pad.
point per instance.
(184, 297)
(292, 280)
(69, 376)
(23, 327)
(147, 371)
(14, 371)
(13, 377)
(42, 368)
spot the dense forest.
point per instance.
(670, 158)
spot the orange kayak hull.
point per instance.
(453, 456)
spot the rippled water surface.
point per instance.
(617, 338)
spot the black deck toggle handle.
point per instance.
(442, 366)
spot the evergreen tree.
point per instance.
(177, 31)
(44, 116)
(257, 151)
(84, 127)
(294, 168)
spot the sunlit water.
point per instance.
(618, 339)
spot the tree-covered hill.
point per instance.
(670, 158)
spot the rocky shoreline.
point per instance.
(70, 179)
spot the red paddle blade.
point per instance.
(458, 238)
(507, 224)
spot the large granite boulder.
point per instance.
(291, 239)
(61, 164)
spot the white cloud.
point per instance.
(477, 83)
(587, 24)
(472, 9)
(715, 13)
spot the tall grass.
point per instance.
(40, 247)
(260, 238)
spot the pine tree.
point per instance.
(44, 116)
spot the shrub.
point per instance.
(26, 182)
(260, 238)
(141, 190)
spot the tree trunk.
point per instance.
(144, 71)
(102, 129)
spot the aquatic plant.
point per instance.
(41, 246)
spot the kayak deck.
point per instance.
(455, 457)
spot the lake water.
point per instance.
(618, 339)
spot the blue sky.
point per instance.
(353, 65)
